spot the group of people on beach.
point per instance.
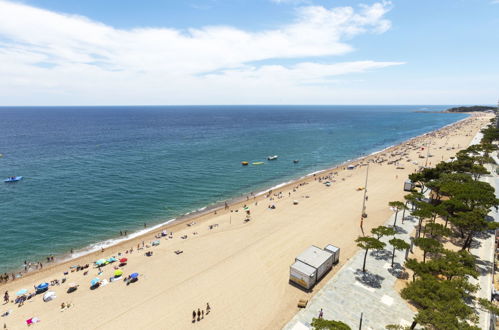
(199, 315)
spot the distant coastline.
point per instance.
(474, 108)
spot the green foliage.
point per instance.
(490, 134)
(441, 304)
(471, 108)
(451, 264)
(434, 230)
(398, 244)
(369, 243)
(321, 324)
(428, 245)
(397, 205)
(381, 231)
(396, 327)
(425, 176)
(440, 288)
(471, 195)
(488, 305)
(470, 223)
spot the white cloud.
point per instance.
(55, 58)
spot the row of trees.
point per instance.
(440, 288)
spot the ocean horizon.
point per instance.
(91, 172)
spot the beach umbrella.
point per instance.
(112, 259)
(134, 275)
(123, 260)
(32, 320)
(21, 292)
(48, 296)
(118, 272)
(72, 285)
(42, 286)
(101, 262)
(94, 281)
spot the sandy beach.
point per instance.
(240, 267)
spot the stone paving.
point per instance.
(352, 293)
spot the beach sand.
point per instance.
(240, 268)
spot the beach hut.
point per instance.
(335, 251)
(302, 274)
(317, 258)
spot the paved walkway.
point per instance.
(351, 293)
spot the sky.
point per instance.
(222, 52)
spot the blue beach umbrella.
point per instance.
(134, 275)
(101, 262)
(21, 292)
(94, 281)
(112, 259)
(42, 286)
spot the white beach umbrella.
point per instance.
(48, 296)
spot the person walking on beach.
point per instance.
(208, 308)
(6, 297)
(202, 314)
(193, 316)
(199, 314)
(321, 314)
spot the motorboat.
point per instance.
(296, 161)
(272, 157)
(13, 179)
(258, 163)
(244, 163)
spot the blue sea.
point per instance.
(90, 172)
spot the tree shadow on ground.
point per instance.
(484, 266)
(381, 254)
(400, 230)
(398, 271)
(410, 218)
(368, 278)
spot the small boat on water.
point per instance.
(296, 161)
(272, 157)
(258, 163)
(13, 179)
(244, 163)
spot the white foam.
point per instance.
(111, 242)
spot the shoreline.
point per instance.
(202, 213)
(223, 255)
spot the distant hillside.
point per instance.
(471, 109)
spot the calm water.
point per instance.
(93, 171)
